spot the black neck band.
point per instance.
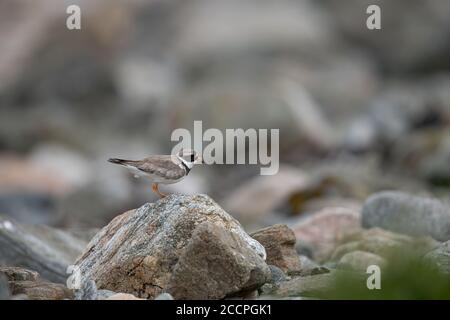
(186, 167)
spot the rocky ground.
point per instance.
(188, 247)
(364, 177)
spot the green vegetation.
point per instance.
(406, 277)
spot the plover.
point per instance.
(162, 169)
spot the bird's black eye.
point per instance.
(192, 157)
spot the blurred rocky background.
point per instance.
(359, 112)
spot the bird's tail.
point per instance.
(119, 161)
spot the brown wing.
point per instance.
(162, 166)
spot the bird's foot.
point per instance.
(156, 190)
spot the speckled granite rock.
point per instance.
(140, 250)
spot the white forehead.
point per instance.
(188, 152)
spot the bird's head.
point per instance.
(190, 157)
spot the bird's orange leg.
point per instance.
(156, 190)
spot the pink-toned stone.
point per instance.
(17, 174)
(323, 230)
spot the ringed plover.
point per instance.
(162, 169)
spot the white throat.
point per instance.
(186, 163)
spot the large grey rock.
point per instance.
(151, 249)
(404, 213)
(40, 248)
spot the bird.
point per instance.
(162, 169)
